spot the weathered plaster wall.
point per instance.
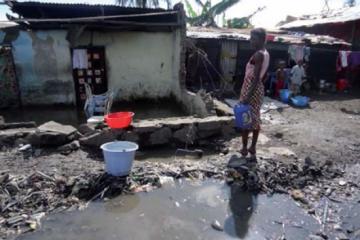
(139, 64)
(43, 67)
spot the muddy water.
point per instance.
(64, 115)
(183, 211)
(74, 116)
(169, 154)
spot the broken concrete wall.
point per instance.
(139, 64)
(43, 66)
(8, 81)
(174, 131)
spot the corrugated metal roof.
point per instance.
(75, 4)
(75, 13)
(4, 25)
(73, 10)
(219, 33)
(244, 34)
(338, 16)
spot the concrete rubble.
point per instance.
(177, 131)
(52, 134)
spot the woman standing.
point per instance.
(252, 91)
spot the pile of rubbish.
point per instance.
(24, 200)
(272, 176)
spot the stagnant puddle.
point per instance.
(183, 211)
(74, 116)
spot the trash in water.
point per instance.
(217, 226)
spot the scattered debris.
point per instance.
(342, 236)
(165, 180)
(197, 153)
(25, 148)
(217, 226)
(298, 195)
(70, 147)
(272, 176)
(279, 135)
(342, 182)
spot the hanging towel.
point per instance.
(343, 58)
(296, 52)
(307, 54)
(299, 53)
(80, 59)
(292, 52)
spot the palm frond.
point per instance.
(190, 9)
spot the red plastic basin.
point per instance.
(119, 119)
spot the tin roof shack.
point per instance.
(135, 52)
(216, 58)
(342, 23)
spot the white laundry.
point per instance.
(344, 59)
(80, 59)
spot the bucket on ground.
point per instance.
(119, 157)
(300, 101)
(285, 95)
(242, 114)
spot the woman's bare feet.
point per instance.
(252, 151)
(244, 152)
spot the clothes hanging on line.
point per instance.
(80, 59)
(307, 52)
(344, 58)
(299, 52)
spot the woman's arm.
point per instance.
(258, 60)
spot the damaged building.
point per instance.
(216, 58)
(134, 52)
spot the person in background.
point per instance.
(252, 91)
(280, 78)
(297, 77)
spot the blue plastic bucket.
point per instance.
(243, 117)
(119, 157)
(300, 101)
(285, 95)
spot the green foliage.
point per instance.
(208, 13)
(190, 10)
(241, 23)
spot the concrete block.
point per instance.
(57, 128)
(130, 136)
(97, 139)
(187, 134)
(161, 136)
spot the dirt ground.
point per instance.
(327, 131)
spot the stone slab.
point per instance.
(53, 126)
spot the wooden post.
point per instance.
(353, 34)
